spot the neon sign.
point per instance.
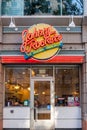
(41, 40)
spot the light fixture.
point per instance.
(17, 87)
(12, 23)
(43, 93)
(29, 88)
(72, 24)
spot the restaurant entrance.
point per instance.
(42, 104)
(42, 97)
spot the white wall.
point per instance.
(16, 117)
(68, 117)
(19, 117)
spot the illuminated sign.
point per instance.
(41, 41)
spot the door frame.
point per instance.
(52, 100)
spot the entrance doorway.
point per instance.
(42, 104)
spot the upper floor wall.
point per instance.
(42, 7)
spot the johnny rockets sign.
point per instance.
(41, 41)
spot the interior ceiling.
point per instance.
(52, 20)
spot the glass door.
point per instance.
(42, 104)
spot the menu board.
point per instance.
(12, 7)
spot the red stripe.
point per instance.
(56, 59)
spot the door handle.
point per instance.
(35, 114)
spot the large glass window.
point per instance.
(12, 7)
(67, 87)
(42, 7)
(53, 7)
(17, 86)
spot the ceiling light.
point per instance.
(43, 93)
(72, 24)
(17, 87)
(12, 23)
(29, 88)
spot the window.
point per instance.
(42, 7)
(17, 86)
(67, 90)
(42, 71)
(12, 7)
(67, 87)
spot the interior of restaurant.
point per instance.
(17, 85)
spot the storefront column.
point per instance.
(0, 33)
(85, 7)
(1, 97)
(84, 92)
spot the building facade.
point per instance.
(43, 90)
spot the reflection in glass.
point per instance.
(42, 7)
(12, 7)
(53, 7)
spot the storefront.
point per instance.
(42, 91)
(54, 89)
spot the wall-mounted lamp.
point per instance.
(12, 23)
(72, 24)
